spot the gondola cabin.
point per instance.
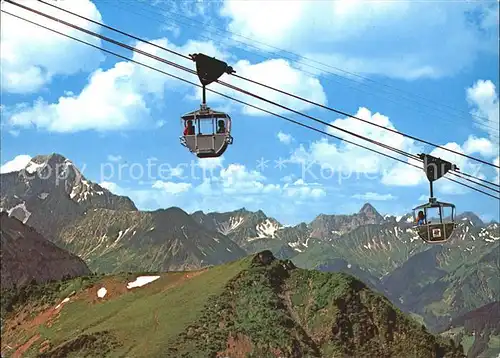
(206, 133)
(434, 221)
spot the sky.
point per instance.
(427, 69)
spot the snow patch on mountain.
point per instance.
(267, 229)
(82, 189)
(33, 167)
(19, 211)
(229, 226)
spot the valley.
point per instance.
(435, 284)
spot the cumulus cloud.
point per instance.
(404, 175)
(123, 96)
(349, 159)
(16, 164)
(482, 146)
(482, 96)
(401, 39)
(32, 56)
(237, 179)
(171, 187)
(119, 98)
(235, 183)
(370, 196)
(302, 190)
(284, 137)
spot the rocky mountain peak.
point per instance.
(53, 184)
(370, 211)
(174, 216)
(50, 159)
(471, 217)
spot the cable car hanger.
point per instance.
(432, 232)
(207, 145)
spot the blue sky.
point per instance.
(429, 69)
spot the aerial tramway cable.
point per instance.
(239, 101)
(218, 81)
(251, 81)
(175, 17)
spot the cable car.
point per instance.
(206, 132)
(435, 228)
(439, 227)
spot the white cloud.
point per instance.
(237, 179)
(16, 164)
(484, 98)
(404, 175)
(401, 39)
(370, 196)
(171, 187)
(236, 185)
(465, 165)
(121, 97)
(284, 137)
(114, 158)
(115, 99)
(347, 159)
(482, 146)
(301, 190)
(31, 56)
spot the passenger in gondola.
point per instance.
(221, 127)
(189, 129)
(421, 218)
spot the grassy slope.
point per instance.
(237, 308)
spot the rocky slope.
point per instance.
(478, 331)
(27, 257)
(50, 193)
(254, 307)
(162, 240)
(445, 297)
(248, 229)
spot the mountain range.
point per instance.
(435, 283)
(257, 306)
